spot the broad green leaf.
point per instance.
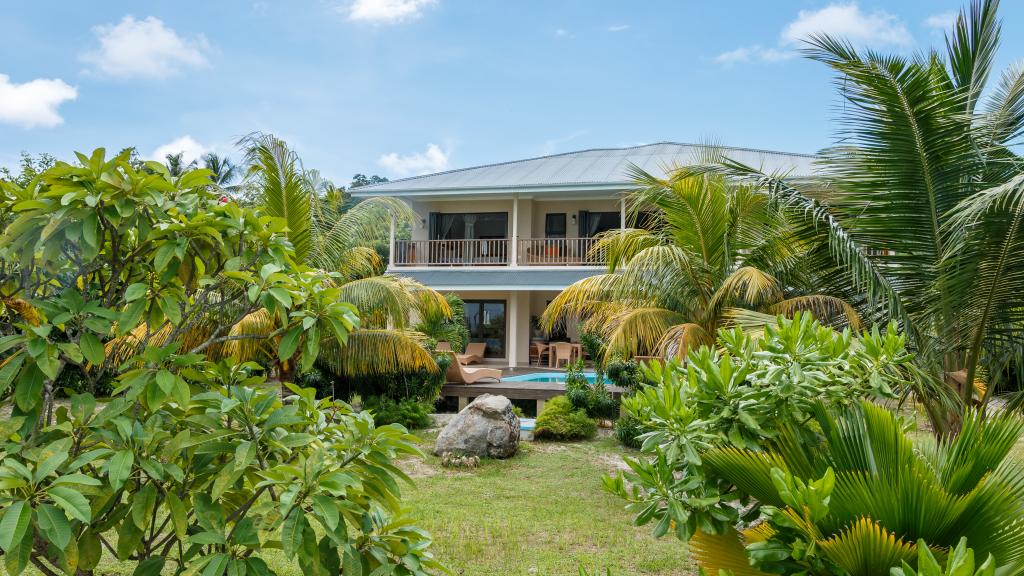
(179, 516)
(71, 501)
(143, 504)
(326, 510)
(135, 291)
(289, 343)
(15, 524)
(119, 468)
(150, 566)
(291, 532)
(91, 347)
(54, 524)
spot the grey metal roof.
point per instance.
(597, 167)
(497, 279)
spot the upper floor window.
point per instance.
(593, 223)
(469, 226)
(554, 225)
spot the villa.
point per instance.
(507, 237)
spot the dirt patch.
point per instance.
(418, 468)
(611, 463)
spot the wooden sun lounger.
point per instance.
(474, 353)
(459, 374)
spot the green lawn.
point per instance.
(541, 512)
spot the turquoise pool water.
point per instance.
(545, 377)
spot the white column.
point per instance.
(512, 321)
(622, 213)
(514, 251)
(391, 243)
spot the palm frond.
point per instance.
(827, 309)
(376, 352)
(716, 552)
(867, 549)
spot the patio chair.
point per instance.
(560, 351)
(474, 353)
(459, 374)
(538, 352)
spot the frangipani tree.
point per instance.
(191, 465)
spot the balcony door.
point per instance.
(486, 321)
(469, 226)
(593, 223)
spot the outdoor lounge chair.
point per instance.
(474, 353)
(460, 374)
(443, 346)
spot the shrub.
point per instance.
(593, 345)
(625, 374)
(592, 398)
(628, 429)
(408, 412)
(560, 421)
(423, 386)
(739, 395)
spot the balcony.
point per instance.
(496, 252)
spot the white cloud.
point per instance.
(753, 53)
(188, 146)
(432, 160)
(33, 103)
(843, 20)
(879, 28)
(618, 28)
(144, 49)
(944, 20)
(387, 11)
(561, 32)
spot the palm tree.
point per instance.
(224, 171)
(340, 242)
(925, 202)
(719, 252)
(176, 164)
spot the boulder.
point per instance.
(487, 428)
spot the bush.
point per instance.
(422, 386)
(625, 373)
(560, 421)
(594, 399)
(628, 429)
(408, 412)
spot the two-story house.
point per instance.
(507, 237)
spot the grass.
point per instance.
(541, 512)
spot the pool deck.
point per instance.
(539, 391)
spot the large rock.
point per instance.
(486, 428)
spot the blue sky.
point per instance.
(400, 87)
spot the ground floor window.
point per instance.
(487, 323)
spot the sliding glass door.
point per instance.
(487, 323)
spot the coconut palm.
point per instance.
(719, 251)
(339, 242)
(176, 164)
(925, 201)
(224, 171)
(865, 495)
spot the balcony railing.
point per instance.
(531, 252)
(452, 252)
(558, 252)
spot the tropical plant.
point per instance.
(560, 420)
(925, 195)
(864, 498)
(409, 412)
(192, 465)
(446, 327)
(339, 242)
(960, 561)
(176, 166)
(739, 394)
(717, 245)
(591, 397)
(223, 171)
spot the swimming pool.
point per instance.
(556, 377)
